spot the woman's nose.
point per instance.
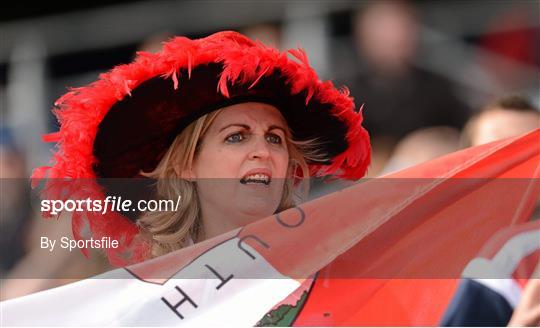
(259, 149)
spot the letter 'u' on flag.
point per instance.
(386, 251)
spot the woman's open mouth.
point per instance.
(257, 178)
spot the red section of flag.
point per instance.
(438, 229)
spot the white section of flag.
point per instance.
(103, 301)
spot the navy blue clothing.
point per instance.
(478, 306)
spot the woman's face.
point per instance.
(242, 164)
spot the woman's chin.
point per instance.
(254, 212)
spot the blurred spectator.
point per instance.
(398, 97)
(423, 145)
(512, 254)
(501, 284)
(15, 204)
(507, 117)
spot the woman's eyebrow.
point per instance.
(272, 127)
(247, 127)
(235, 124)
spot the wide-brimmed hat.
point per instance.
(124, 122)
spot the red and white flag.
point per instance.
(386, 251)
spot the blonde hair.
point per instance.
(170, 230)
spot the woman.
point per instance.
(248, 146)
(232, 131)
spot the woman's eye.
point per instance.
(234, 138)
(273, 138)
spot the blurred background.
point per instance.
(431, 77)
